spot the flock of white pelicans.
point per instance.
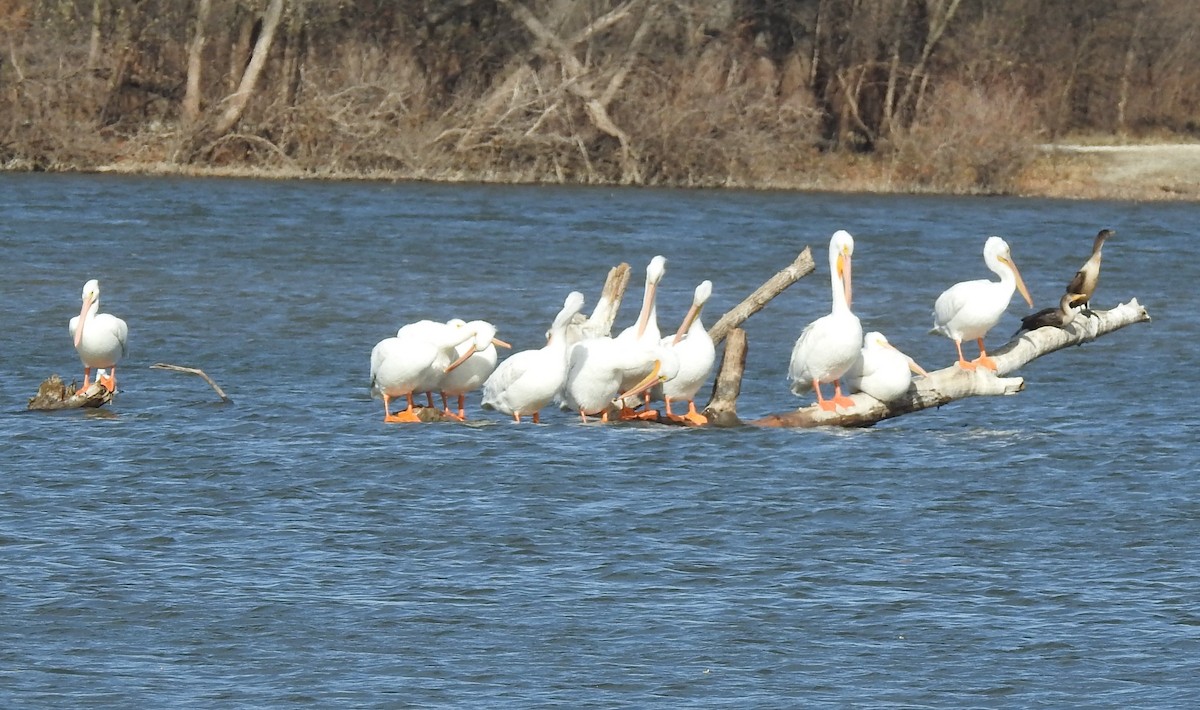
(595, 374)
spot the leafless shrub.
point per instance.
(967, 139)
(727, 117)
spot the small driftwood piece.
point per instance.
(193, 371)
(53, 394)
(722, 407)
(953, 383)
(790, 274)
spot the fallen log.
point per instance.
(54, 395)
(954, 383)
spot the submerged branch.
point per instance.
(193, 371)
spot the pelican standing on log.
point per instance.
(415, 360)
(476, 360)
(969, 309)
(881, 370)
(694, 350)
(100, 339)
(1088, 275)
(642, 339)
(829, 345)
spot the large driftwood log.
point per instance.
(790, 274)
(53, 395)
(953, 383)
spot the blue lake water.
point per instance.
(290, 548)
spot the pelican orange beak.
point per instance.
(646, 383)
(647, 303)
(691, 316)
(500, 343)
(912, 364)
(87, 304)
(463, 358)
(1020, 281)
(843, 265)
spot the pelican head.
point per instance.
(91, 302)
(484, 335)
(699, 298)
(841, 248)
(999, 259)
(656, 269)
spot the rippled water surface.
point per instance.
(290, 548)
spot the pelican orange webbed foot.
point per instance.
(692, 418)
(406, 415)
(839, 399)
(109, 381)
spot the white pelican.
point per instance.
(100, 338)
(881, 370)
(595, 370)
(830, 344)
(1084, 283)
(413, 361)
(474, 363)
(642, 338)
(968, 309)
(434, 332)
(529, 380)
(695, 353)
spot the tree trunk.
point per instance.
(191, 98)
(94, 42)
(262, 48)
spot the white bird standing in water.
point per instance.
(100, 339)
(969, 309)
(528, 381)
(830, 344)
(881, 370)
(695, 353)
(475, 362)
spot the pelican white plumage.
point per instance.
(969, 309)
(100, 339)
(695, 354)
(881, 370)
(595, 370)
(415, 360)
(641, 340)
(527, 381)
(829, 345)
(474, 363)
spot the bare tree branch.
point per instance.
(790, 274)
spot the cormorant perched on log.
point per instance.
(1059, 317)
(1084, 283)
